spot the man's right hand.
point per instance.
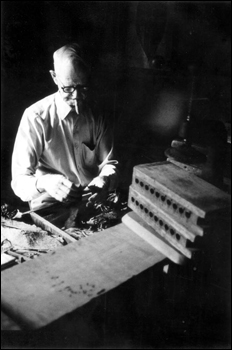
(60, 188)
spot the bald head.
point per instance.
(70, 57)
(71, 71)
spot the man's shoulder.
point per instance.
(41, 107)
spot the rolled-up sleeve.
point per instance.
(26, 153)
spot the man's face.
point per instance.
(71, 76)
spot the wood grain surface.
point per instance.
(195, 194)
(41, 291)
(141, 228)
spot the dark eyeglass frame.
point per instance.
(71, 89)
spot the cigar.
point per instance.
(76, 107)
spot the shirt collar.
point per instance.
(63, 109)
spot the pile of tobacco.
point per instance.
(21, 241)
(24, 241)
(84, 221)
(8, 211)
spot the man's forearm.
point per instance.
(24, 186)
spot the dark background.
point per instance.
(143, 56)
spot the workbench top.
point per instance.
(41, 291)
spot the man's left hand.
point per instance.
(99, 187)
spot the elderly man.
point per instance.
(64, 145)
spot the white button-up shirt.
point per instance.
(53, 139)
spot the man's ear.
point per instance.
(53, 75)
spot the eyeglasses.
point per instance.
(71, 89)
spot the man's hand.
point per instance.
(99, 186)
(60, 188)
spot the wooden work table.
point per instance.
(39, 292)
